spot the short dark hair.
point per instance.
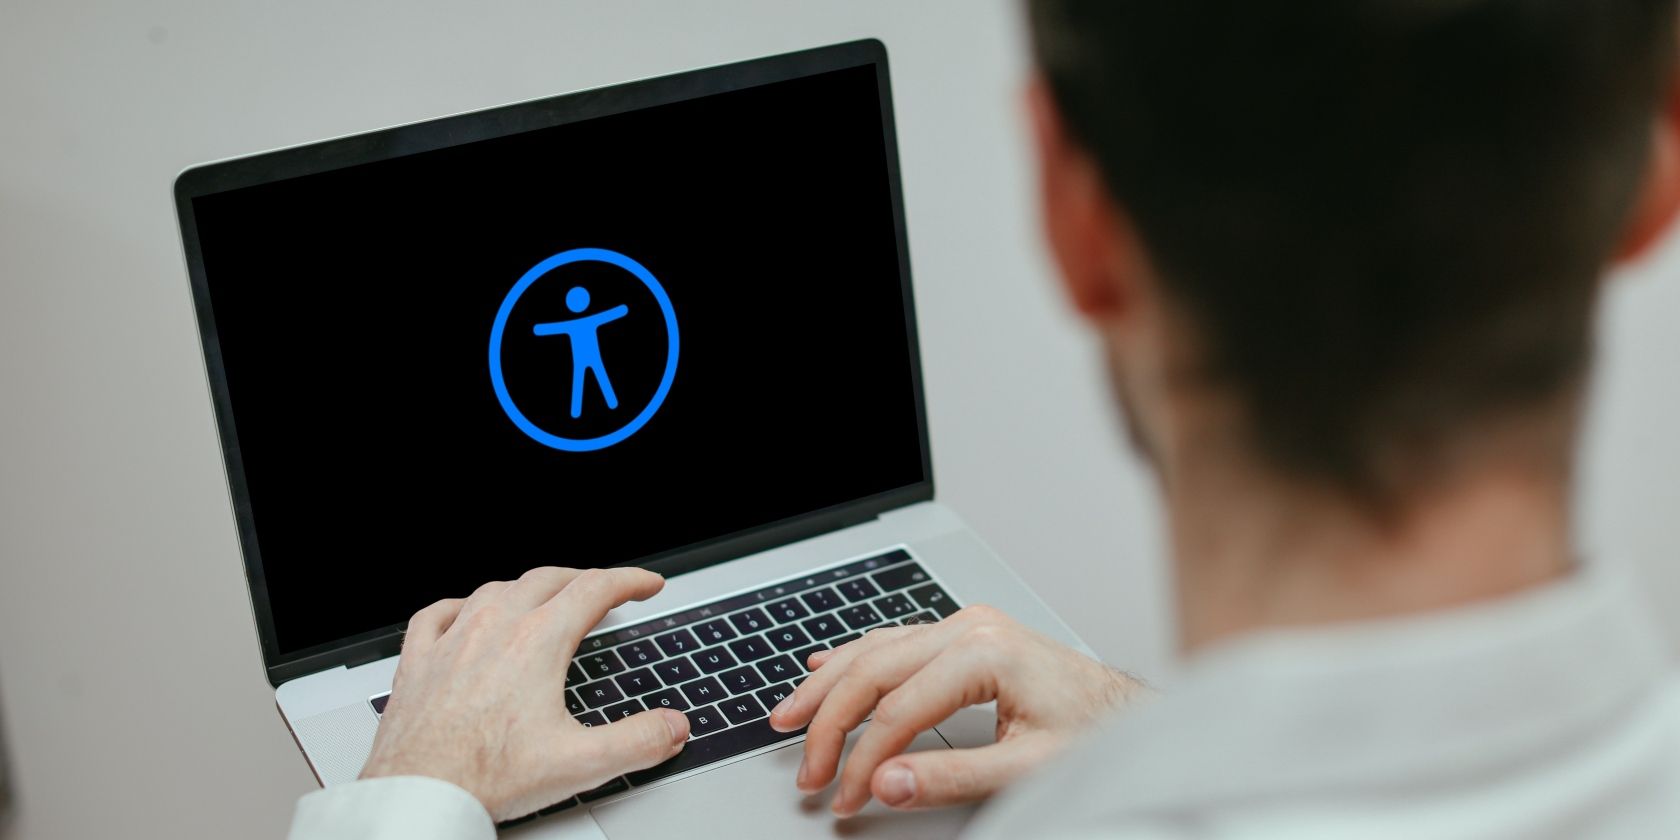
(1386, 218)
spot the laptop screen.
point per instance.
(586, 344)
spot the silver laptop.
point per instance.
(667, 323)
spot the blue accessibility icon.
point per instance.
(586, 345)
(584, 334)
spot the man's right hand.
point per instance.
(912, 678)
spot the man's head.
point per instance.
(1373, 229)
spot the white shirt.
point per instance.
(1548, 714)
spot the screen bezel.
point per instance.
(501, 121)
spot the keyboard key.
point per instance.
(744, 678)
(714, 660)
(860, 616)
(591, 719)
(857, 589)
(619, 711)
(788, 638)
(824, 626)
(674, 671)
(803, 655)
(789, 610)
(573, 704)
(773, 695)
(715, 631)
(603, 664)
(704, 691)
(618, 785)
(822, 600)
(750, 621)
(575, 676)
(703, 721)
(931, 597)
(639, 681)
(750, 648)
(923, 617)
(667, 698)
(840, 640)
(378, 704)
(899, 577)
(779, 669)
(704, 751)
(600, 693)
(640, 653)
(741, 709)
(677, 643)
(895, 606)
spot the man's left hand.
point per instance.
(479, 694)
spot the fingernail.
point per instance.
(898, 786)
(782, 707)
(799, 778)
(842, 807)
(677, 722)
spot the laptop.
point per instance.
(667, 323)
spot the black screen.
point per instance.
(354, 310)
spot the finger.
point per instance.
(819, 658)
(957, 676)
(633, 743)
(428, 624)
(939, 778)
(800, 706)
(853, 696)
(535, 587)
(816, 660)
(581, 605)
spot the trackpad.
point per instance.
(756, 796)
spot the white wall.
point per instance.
(129, 673)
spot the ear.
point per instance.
(1659, 195)
(1087, 235)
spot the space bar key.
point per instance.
(703, 751)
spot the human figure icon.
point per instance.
(586, 345)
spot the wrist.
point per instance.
(400, 765)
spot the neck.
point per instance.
(1252, 554)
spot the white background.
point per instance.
(129, 673)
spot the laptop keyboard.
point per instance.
(727, 663)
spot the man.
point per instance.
(1342, 256)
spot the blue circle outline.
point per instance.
(536, 272)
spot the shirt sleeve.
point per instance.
(392, 808)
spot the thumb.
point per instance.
(935, 778)
(638, 741)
